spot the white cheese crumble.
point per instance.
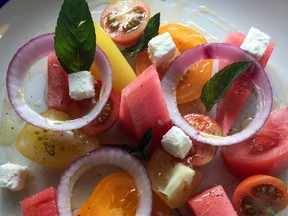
(161, 49)
(81, 85)
(256, 42)
(176, 142)
(13, 176)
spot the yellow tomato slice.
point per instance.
(123, 73)
(116, 194)
(55, 149)
(190, 85)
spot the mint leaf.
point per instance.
(150, 31)
(142, 150)
(215, 89)
(75, 39)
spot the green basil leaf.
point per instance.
(75, 38)
(150, 31)
(142, 150)
(215, 89)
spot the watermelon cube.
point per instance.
(41, 204)
(211, 202)
(230, 106)
(143, 106)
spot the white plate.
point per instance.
(22, 20)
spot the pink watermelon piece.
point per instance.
(230, 106)
(41, 204)
(58, 88)
(211, 202)
(143, 106)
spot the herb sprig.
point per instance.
(150, 31)
(215, 88)
(75, 38)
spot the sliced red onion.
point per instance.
(19, 66)
(105, 156)
(217, 51)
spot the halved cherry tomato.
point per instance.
(105, 120)
(191, 84)
(55, 149)
(265, 152)
(260, 195)
(125, 21)
(201, 153)
(115, 194)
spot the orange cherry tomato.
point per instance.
(190, 85)
(201, 153)
(125, 21)
(260, 195)
(116, 194)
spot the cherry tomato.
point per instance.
(260, 195)
(125, 21)
(265, 152)
(55, 149)
(115, 194)
(190, 85)
(105, 120)
(201, 153)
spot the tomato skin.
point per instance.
(189, 86)
(264, 153)
(125, 21)
(201, 153)
(53, 149)
(256, 187)
(105, 120)
(115, 194)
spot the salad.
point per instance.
(139, 143)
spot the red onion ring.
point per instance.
(217, 51)
(105, 156)
(19, 66)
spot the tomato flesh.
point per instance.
(190, 85)
(105, 120)
(201, 153)
(260, 195)
(55, 149)
(264, 153)
(125, 21)
(115, 194)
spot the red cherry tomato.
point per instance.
(260, 195)
(125, 21)
(264, 153)
(201, 153)
(105, 120)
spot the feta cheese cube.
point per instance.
(81, 85)
(161, 49)
(13, 176)
(256, 42)
(176, 142)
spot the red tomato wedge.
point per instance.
(43, 203)
(58, 89)
(211, 202)
(264, 153)
(143, 106)
(260, 195)
(230, 106)
(105, 120)
(124, 21)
